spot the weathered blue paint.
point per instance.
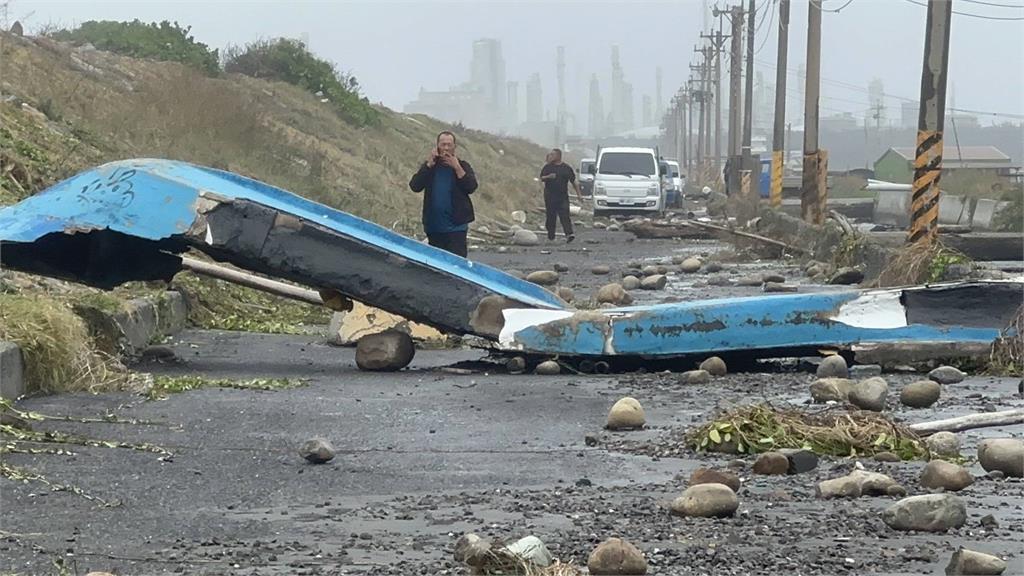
(760, 323)
(156, 199)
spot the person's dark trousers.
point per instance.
(556, 207)
(454, 242)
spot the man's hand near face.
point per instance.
(452, 161)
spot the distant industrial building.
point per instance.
(897, 164)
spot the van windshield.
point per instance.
(628, 164)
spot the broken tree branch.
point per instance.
(969, 422)
(749, 235)
(270, 286)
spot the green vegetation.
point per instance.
(224, 306)
(165, 385)
(289, 61)
(762, 428)
(920, 263)
(849, 187)
(58, 353)
(165, 41)
(1011, 218)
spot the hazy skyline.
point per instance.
(395, 48)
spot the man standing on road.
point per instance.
(556, 177)
(446, 182)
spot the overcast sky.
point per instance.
(395, 48)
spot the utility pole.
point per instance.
(748, 101)
(779, 126)
(811, 208)
(735, 118)
(718, 43)
(686, 112)
(924, 208)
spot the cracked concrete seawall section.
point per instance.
(142, 320)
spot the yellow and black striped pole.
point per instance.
(924, 207)
(776, 190)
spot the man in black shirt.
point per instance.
(556, 177)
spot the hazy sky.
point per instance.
(394, 48)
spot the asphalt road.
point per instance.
(424, 455)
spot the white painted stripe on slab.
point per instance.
(874, 310)
(517, 319)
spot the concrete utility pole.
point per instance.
(924, 208)
(735, 117)
(748, 100)
(686, 111)
(779, 126)
(718, 42)
(811, 205)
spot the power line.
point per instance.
(818, 3)
(980, 16)
(767, 33)
(996, 4)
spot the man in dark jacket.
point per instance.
(446, 183)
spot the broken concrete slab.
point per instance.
(347, 328)
(12, 371)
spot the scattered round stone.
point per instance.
(947, 375)
(317, 451)
(710, 476)
(543, 277)
(565, 293)
(677, 259)
(714, 366)
(600, 270)
(712, 267)
(830, 390)
(706, 501)
(771, 463)
(719, 280)
(777, 288)
(863, 371)
(970, 563)
(690, 265)
(662, 269)
(833, 366)
(614, 294)
(887, 457)
(548, 368)
(776, 278)
(920, 394)
(655, 282)
(561, 267)
(696, 377)
(649, 270)
(813, 271)
(516, 365)
(616, 557)
(749, 281)
(613, 227)
(631, 283)
(847, 276)
(928, 513)
(386, 351)
(800, 460)
(635, 264)
(996, 475)
(943, 444)
(870, 394)
(859, 483)
(524, 237)
(626, 414)
(472, 550)
(1003, 454)
(945, 475)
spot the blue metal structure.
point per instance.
(130, 220)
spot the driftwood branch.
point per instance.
(757, 237)
(270, 286)
(961, 423)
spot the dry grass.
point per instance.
(1007, 356)
(834, 431)
(504, 563)
(58, 353)
(919, 263)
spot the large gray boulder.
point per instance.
(870, 394)
(970, 563)
(943, 444)
(654, 282)
(690, 265)
(386, 351)
(613, 294)
(615, 557)
(920, 394)
(945, 475)
(631, 283)
(706, 501)
(1003, 454)
(947, 375)
(830, 390)
(543, 277)
(833, 367)
(928, 513)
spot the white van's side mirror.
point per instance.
(663, 168)
(592, 169)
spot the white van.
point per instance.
(587, 176)
(628, 180)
